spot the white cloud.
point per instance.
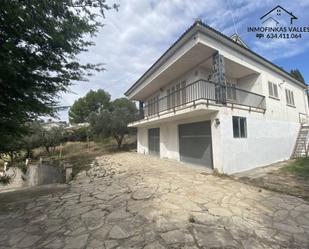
(280, 48)
(133, 38)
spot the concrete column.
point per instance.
(216, 142)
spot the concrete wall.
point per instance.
(267, 141)
(169, 139)
(275, 109)
(44, 173)
(271, 136)
(16, 182)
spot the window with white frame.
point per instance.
(231, 91)
(273, 90)
(289, 97)
(239, 127)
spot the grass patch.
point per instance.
(218, 174)
(299, 167)
(78, 154)
(191, 219)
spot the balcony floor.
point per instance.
(185, 111)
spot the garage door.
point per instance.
(195, 143)
(154, 141)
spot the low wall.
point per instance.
(45, 173)
(17, 181)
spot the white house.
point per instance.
(209, 100)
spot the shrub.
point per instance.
(5, 179)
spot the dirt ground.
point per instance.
(272, 177)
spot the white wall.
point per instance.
(142, 140)
(267, 141)
(169, 138)
(271, 136)
(276, 110)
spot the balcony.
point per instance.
(203, 92)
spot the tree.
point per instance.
(33, 139)
(39, 44)
(78, 134)
(92, 102)
(12, 148)
(114, 121)
(297, 75)
(52, 138)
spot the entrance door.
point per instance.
(195, 143)
(154, 141)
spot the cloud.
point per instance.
(280, 48)
(135, 37)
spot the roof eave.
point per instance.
(164, 56)
(200, 26)
(229, 42)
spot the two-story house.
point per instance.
(209, 100)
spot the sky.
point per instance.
(134, 37)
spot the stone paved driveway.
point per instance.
(134, 201)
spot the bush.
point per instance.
(5, 179)
(78, 135)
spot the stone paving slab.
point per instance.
(133, 201)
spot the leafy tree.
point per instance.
(92, 102)
(33, 139)
(11, 148)
(79, 134)
(113, 121)
(52, 138)
(39, 44)
(297, 75)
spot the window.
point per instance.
(176, 95)
(273, 90)
(153, 105)
(168, 93)
(173, 96)
(289, 97)
(239, 127)
(231, 91)
(184, 91)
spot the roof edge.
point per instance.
(287, 74)
(197, 23)
(161, 57)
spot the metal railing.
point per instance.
(212, 93)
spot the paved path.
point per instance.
(134, 201)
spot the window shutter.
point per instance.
(275, 90)
(270, 89)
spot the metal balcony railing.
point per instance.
(212, 93)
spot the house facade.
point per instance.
(211, 101)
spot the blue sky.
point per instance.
(135, 36)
